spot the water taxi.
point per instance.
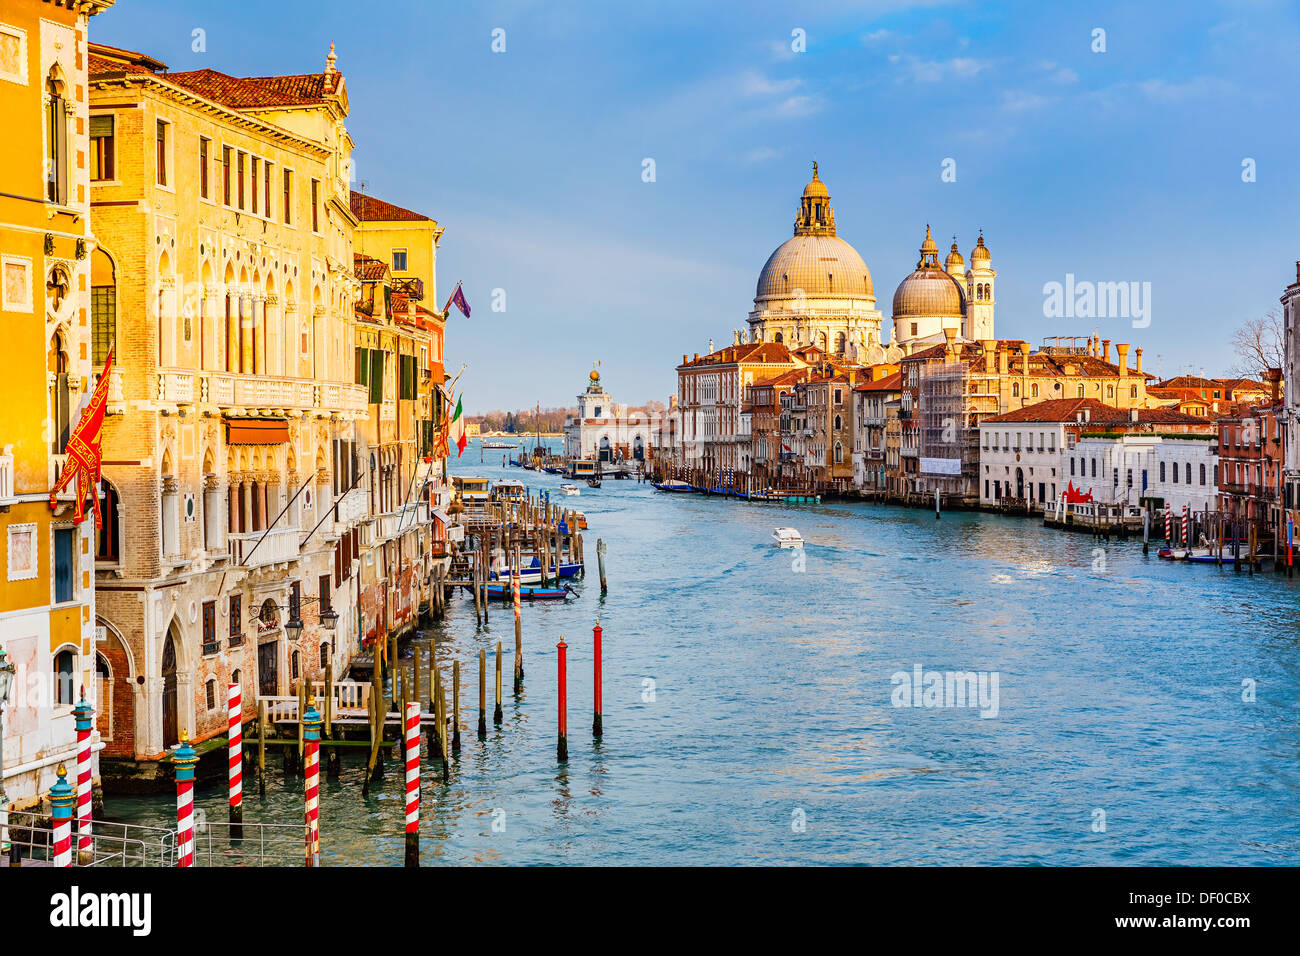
(787, 538)
(473, 491)
(571, 489)
(499, 444)
(508, 490)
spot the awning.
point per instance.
(256, 431)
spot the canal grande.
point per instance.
(750, 717)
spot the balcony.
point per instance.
(277, 547)
(231, 390)
(176, 388)
(352, 507)
(57, 464)
(412, 288)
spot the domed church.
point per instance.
(934, 298)
(815, 289)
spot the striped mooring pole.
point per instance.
(562, 745)
(519, 632)
(62, 796)
(1169, 527)
(311, 725)
(184, 759)
(412, 733)
(235, 702)
(597, 730)
(84, 720)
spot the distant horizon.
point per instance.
(1159, 161)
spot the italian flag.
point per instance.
(458, 429)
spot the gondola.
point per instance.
(593, 482)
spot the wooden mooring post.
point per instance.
(455, 712)
(482, 694)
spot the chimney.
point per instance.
(697, 356)
(1138, 353)
(685, 358)
(1096, 345)
(949, 336)
(1121, 359)
(1297, 272)
(1024, 358)
(1105, 350)
(1274, 378)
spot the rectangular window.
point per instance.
(64, 565)
(362, 366)
(161, 156)
(210, 645)
(102, 152)
(324, 593)
(288, 196)
(254, 179)
(266, 189)
(236, 619)
(295, 601)
(399, 260)
(315, 205)
(205, 149)
(376, 377)
(240, 158)
(225, 175)
(103, 312)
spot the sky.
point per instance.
(1167, 158)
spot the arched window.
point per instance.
(840, 343)
(108, 542)
(1110, 391)
(778, 338)
(1033, 390)
(324, 655)
(1187, 472)
(838, 423)
(295, 665)
(65, 663)
(1162, 471)
(1132, 391)
(56, 141)
(1202, 472)
(839, 453)
(237, 677)
(103, 306)
(210, 692)
(1079, 392)
(104, 697)
(1015, 389)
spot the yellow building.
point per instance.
(233, 484)
(46, 592)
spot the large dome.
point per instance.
(819, 265)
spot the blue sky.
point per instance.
(1117, 166)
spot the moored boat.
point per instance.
(570, 489)
(672, 484)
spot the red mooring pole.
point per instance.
(596, 729)
(562, 746)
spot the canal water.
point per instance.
(752, 702)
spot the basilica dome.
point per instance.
(819, 265)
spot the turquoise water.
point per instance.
(769, 733)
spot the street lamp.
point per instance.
(6, 684)
(293, 627)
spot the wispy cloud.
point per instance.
(936, 71)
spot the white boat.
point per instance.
(571, 489)
(787, 538)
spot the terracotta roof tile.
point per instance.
(251, 92)
(1099, 413)
(370, 209)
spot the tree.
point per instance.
(1259, 345)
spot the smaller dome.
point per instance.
(980, 251)
(928, 293)
(816, 188)
(954, 258)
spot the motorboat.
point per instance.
(787, 538)
(570, 489)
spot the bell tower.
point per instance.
(979, 292)
(815, 217)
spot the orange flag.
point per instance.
(85, 451)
